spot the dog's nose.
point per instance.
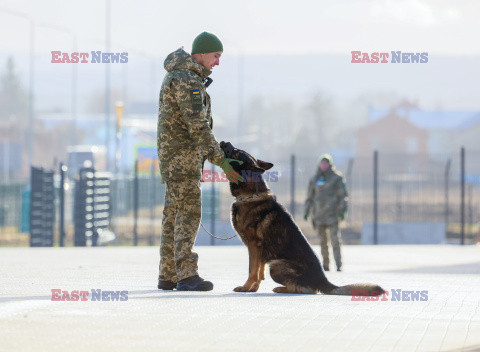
(227, 148)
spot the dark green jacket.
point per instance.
(184, 137)
(327, 196)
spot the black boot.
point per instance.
(166, 285)
(194, 283)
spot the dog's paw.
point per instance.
(240, 289)
(252, 288)
(280, 289)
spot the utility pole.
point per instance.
(107, 85)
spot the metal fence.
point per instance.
(14, 212)
(409, 189)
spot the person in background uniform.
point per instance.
(185, 140)
(327, 201)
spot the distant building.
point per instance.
(447, 130)
(402, 145)
(392, 134)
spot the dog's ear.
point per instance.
(264, 164)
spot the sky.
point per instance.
(266, 27)
(291, 49)
(282, 51)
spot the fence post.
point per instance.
(292, 185)
(375, 197)
(135, 205)
(212, 204)
(447, 191)
(63, 169)
(462, 200)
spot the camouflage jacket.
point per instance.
(184, 136)
(327, 196)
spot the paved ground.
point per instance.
(223, 320)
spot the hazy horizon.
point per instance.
(249, 27)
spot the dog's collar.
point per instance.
(255, 197)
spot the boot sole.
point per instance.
(168, 288)
(197, 288)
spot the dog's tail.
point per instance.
(353, 290)
(311, 278)
(326, 287)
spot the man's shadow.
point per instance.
(165, 294)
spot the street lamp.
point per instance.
(107, 85)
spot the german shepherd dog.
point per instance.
(273, 238)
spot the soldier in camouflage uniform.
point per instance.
(327, 200)
(185, 140)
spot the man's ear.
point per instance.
(264, 164)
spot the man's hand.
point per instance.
(232, 175)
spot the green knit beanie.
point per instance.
(206, 43)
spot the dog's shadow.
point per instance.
(159, 294)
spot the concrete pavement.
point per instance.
(223, 320)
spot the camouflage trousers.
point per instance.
(335, 239)
(181, 220)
